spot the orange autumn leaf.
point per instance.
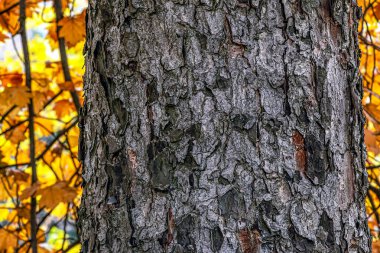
(16, 136)
(371, 141)
(9, 19)
(23, 212)
(11, 79)
(63, 107)
(66, 86)
(376, 10)
(376, 247)
(30, 191)
(17, 95)
(3, 37)
(7, 240)
(65, 3)
(59, 192)
(39, 99)
(73, 29)
(18, 175)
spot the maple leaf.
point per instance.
(11, 79)
(16, 136)
(7, 240)
(18, 175)
(59, 192)
(18, 95)
(63, 107)
(73, 29)
(30, 191)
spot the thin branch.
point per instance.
(32, 144)
(62, 52)
(9, 8)
(47, 148)
(7, 113)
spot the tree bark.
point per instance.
(223, 126)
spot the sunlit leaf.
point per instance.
(7, 240)
(18, 95)
(72, 29)
(30, 191)
(52, 195)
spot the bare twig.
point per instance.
(32, 147)
(62, 51)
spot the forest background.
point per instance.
(41, 69)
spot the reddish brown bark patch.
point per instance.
(249, 240)
(171, 225)
(349, 177)
(300, 154)
(132, 164)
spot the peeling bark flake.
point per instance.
(300, 153)
(250, 240)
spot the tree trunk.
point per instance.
(223, 126)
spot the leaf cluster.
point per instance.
(47, 197)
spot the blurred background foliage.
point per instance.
(42, 65)
(369, 38)
(41, 71)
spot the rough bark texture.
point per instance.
(223, 126)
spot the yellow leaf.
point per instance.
(48, 126)
(73, 29)
(75, 249)
(4, 214)
(60, 210)
(52, 35)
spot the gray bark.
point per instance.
(223, 126)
